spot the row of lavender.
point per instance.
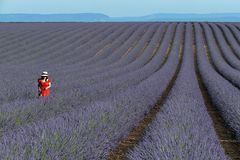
(152, 44)
(183, 124)
(68, 98)
(110, 119)
(220, 78)
(74, 116)
(87, 80)
(183, 128)
(158, 56)
(33, 73)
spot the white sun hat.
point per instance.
(44, 73)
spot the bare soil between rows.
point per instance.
(226, 136)
(135, 136)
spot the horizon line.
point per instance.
(118, 16)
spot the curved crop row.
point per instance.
(219, 62)
(222, 93)
(24, 89)
(182, 129)
(12, 49)
(104, 49)
(52, 47)
(77, 130)
(119, 51)
(107, 78)
(231, 38)
(81, 97)
(75, 38)
(137, 50)
(226, 50)
(235, 32)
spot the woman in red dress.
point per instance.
(44, 85)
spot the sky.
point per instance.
(119, 8)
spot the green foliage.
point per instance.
(105, 117)
(18, 120)
(2, 120)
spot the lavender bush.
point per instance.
(106, 77)
(226, 49)
(117, 105)
(183, 128)
(223, 94)
(231, 74)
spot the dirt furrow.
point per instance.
(135, 135)
(226, 137)
(206, 46)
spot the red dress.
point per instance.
(43, 85)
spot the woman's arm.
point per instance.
(50, 84)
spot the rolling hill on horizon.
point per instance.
(81, 17)
(97, 17)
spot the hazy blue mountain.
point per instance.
(82, 17)
(95, 17)
(234, 17)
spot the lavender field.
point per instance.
(178, 82)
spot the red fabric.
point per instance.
(43, 85)
(45, 93)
